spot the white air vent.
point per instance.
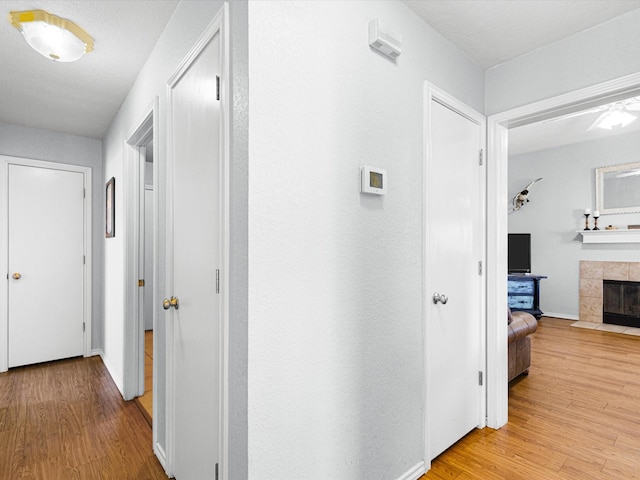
(384, 40)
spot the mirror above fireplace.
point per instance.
(618, 188)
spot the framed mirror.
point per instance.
(618, 188)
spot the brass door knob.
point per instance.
(17, 276)
(168, 303)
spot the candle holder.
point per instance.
(595, 222)
(586, 221)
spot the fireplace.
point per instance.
(621, 303)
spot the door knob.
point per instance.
(443, 299)
(17, 276)
(168, 303)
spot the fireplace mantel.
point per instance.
(610, 236)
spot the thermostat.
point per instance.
(373, 180)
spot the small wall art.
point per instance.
(110, 209)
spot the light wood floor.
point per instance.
(576, 416)
(145, 402)
(66, 420)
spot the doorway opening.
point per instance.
(141, 265)
(145, 400)
(497, 223)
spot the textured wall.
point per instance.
(335, 300)
(238, 255)
(555, 213)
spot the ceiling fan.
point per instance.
(613, 114)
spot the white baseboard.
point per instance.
(414, 473)
(162, 457)
(566, 316)
(97, 351)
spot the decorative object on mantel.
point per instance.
(587, 212)
(521, 198)
(633, 227)
(596, 216)
(610, 227)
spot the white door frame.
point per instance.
(432, 93)
(218, 26)
(5, 161)
(143, 130)
(497, 224)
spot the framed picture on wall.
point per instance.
(110, 209)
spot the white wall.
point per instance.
(602, 53)
(335, 368)
(555, 213)
(238, 255)
(25, 142)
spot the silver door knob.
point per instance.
(443, 299)
(168, 303)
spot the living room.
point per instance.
(566, 153)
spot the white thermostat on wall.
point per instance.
(373, 180)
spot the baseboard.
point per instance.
(97, 351)
(162, 457)
(414, 473)
(565, 316)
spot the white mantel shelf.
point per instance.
(610, 236)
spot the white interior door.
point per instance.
(194, 186)
(46, 264)
(454, 250)
(148, 259)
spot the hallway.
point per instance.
(66, 419)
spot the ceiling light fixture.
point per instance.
(53, 37)
(617, 115)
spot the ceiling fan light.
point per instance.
(615, 117)
(51, 36)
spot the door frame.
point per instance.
(497, 220)
(218, 26)
(433, 93)
(142, 131)
(5, 161)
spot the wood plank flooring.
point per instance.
(66, 420)
(145, 402)
(576, 416)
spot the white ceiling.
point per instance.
(560, 131)
(495, 31)
(83, 97)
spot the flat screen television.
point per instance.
(519, 253)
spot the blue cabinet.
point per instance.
(524, 293)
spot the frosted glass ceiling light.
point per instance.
(51, 36)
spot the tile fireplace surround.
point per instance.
(591, 276)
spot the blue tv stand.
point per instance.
(524, 293)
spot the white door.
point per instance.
(454, 250)
(148, 259)
(194, 239)
(46, 290)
